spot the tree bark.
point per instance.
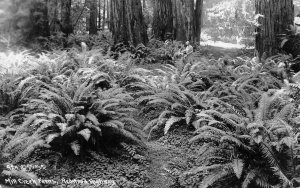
(127, 22)
(183, 23)
(55, 25)
(277, 16)
(198, 21)
(93, 17)
(108, 5)
(104, 15)
(162, 19)
(87, 16)
(67, 26)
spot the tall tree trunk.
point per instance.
(87, 15)
(93, 17)
(183, 23)
(198, 21)
(127, 22)
(67, 26)
(99, 14)
(104, 14)
(55, 25)
(108, 5)
(277, 16)
(162, 19)
(39, 20)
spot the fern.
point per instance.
(248, 142)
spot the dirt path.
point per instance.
(159, 155)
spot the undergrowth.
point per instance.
(241, 111)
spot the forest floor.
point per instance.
(165, 157)
(218, 49)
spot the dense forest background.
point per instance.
(228, 21)
(149, 93)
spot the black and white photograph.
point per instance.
(149, 93)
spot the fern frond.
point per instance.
(211, 179)
(238, 167)
(249, 178)
(170, 122)
(29, 150)
(150, 124)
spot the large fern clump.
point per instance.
(179, 104)
(255, 149)
(73, 114)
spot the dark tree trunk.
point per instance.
(93, 17)
(127, 22)
(39, 20)
(277, 16)
(108, 15)
(87, 16)
(183, 23)
(55, 25)
(67, 26)
(104, 15)
(198, 21)
(162, 19)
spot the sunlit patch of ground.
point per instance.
(222, 44)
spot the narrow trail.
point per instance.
(159, 155)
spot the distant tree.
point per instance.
(87, 15)
(53, 12)
(276, 17)
(108, 13)
(182, 19)
(24, 21)
(93, 17)
(99, 14)
(39, 20)
(67, 25)
(127, 22)
(144, 5)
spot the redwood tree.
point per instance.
(67, 26)
(183, 12)
(104, 14)
(127, 22)
(276, 17)
(181, 18)
(198, 21)
(93, 17)
(39, 20)
(162, 18)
